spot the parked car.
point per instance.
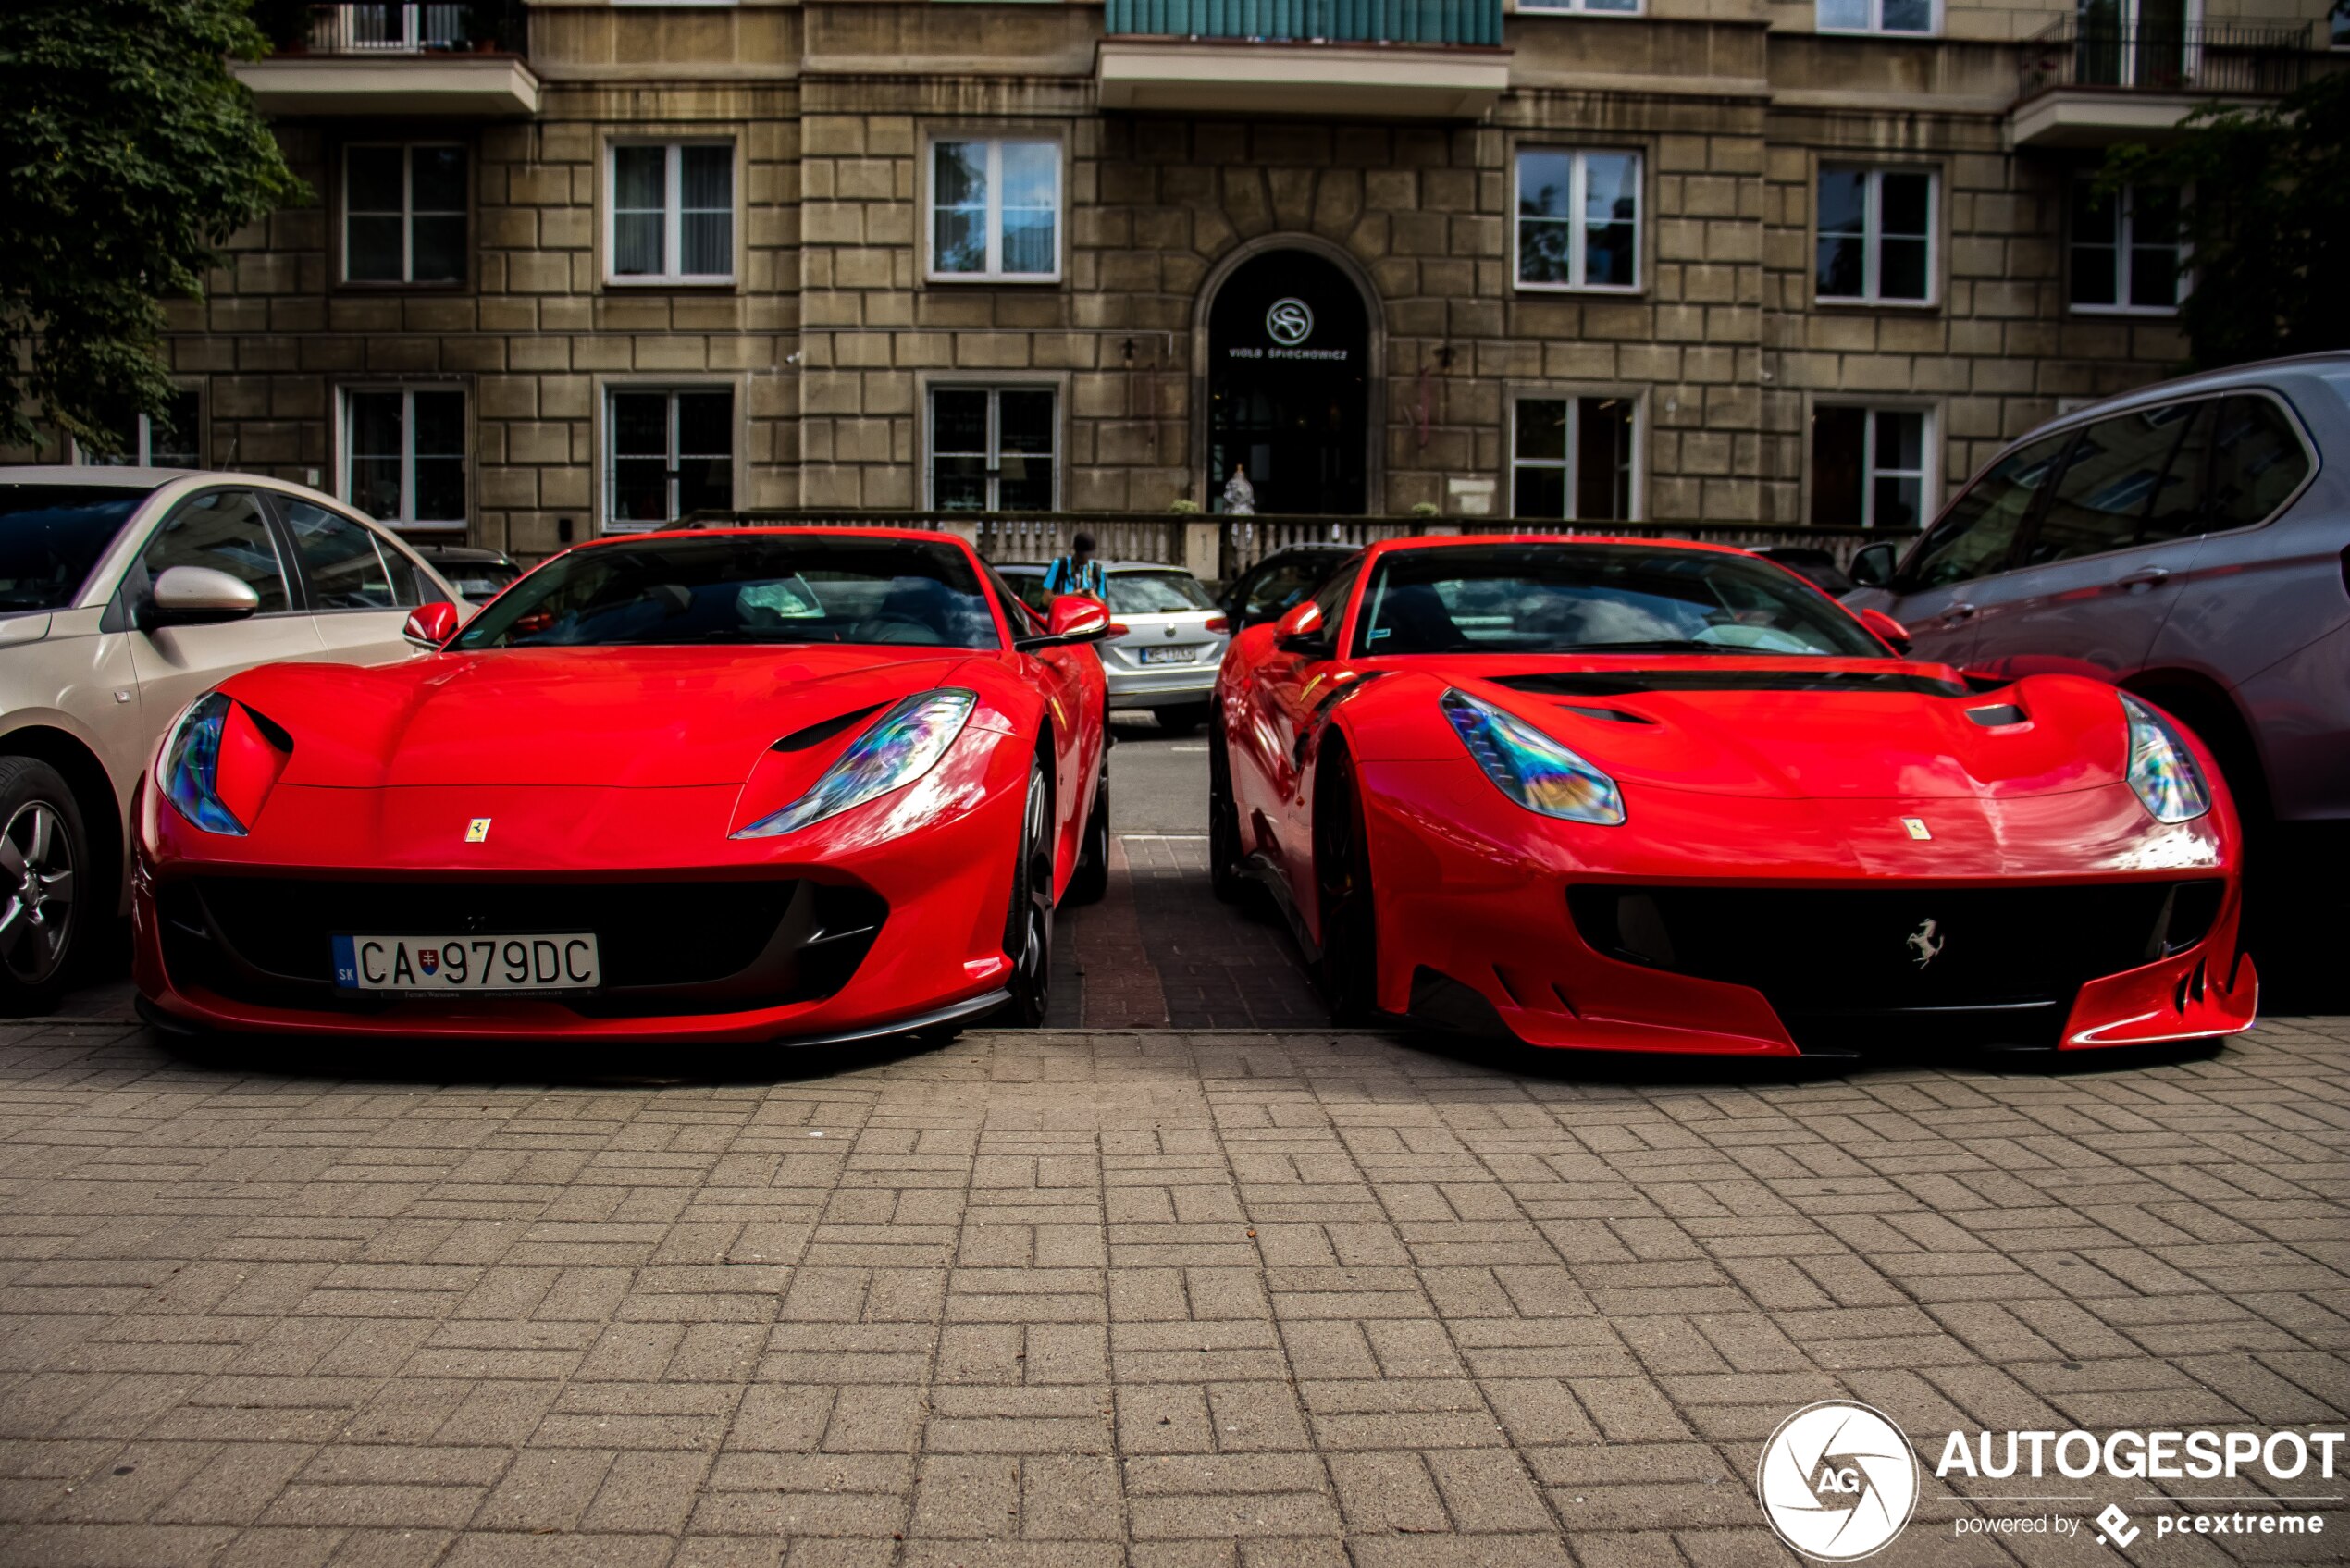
(2190, 542)
(733, 786)
(125, 594)
(1663, 797)
(1818, 565)
(1166, 659)
(480, 574)
(1266, 590)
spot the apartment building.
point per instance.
(587, 265)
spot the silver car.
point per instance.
(1174, 639)
(2190, 541)
(125, 594)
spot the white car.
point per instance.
(1167, 657)
(125, 594)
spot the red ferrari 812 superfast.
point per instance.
(741, 785)
(1657, 796)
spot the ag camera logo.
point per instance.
(1289, 322)
(1838, 1480)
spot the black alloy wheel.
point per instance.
(1349, 970)
(1224, 878)
(44, 850)
(1028, 926)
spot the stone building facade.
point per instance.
(1727, 260)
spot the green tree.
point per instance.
(2267, 222)
(128, 155)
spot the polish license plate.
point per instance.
(440, 966)
(1168, 655)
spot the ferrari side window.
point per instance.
(1977, 536)
(223, 530)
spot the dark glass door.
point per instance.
(1287, 383)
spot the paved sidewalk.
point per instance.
(1095, 1298)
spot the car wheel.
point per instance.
(1224, 878)
(44, 852)
(1091, 879)
(1181, 721)
(1028, 928)
(1342, 880)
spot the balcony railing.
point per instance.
(375, 29)
(1420, 22)
(2165, 57)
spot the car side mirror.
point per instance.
(195, 596)
(429, 625)
(1300, 630)
(1072, 619)
(1871, 566)
(1889, 631)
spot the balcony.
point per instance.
(1424, 59)
(2088, 83)
(388, 57)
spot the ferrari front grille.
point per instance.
(1848, 969)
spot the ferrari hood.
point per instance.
(640, 718)
(1851, 730)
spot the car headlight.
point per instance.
(2163, 774)
(895, 750)
(1531, 768)
(219, 762)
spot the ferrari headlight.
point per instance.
(189, 770)
(895, 750)
(2162, 771)
(1531, 768)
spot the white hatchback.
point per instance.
(1167, 657)
(125, 594)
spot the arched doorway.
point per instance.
(1289, 375)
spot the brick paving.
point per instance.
(1110, 1297)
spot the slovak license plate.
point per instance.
(471, 965)
(1166, 655)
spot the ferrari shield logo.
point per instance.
(477, 831)
(1917, 827)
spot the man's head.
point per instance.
(1081, 547)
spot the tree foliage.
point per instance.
(2267, 222)
(128, 155)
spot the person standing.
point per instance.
(1078, 572)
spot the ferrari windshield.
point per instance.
(743, 588)
(1534, 598)
(51, 535)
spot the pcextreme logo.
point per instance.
(1838, 1480)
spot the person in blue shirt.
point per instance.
(1078, 572)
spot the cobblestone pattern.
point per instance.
(1104, 1298)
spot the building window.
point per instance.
(668, 453)
(174, 441)
(1578, 219)
(1870, 467)
(995, 209)
(672, 212)
(1876, 236)
(1571, 458)
(403, 455)
(404, 215)
(2126, 250)
(1913, 17)
(991, 448)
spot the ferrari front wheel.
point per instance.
(1028, 926)
(1342, 883)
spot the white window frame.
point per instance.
(995, 439)
(1635, 490)
(609, 456)
(142, 448)
(1929, 452)
(996, 142)
(408, 215)
(1873, 237)
(1584, 7)
(2125, 209)
(673, 228)
(346, 466)
(1578, 219)
(1875, 26)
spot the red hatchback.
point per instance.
(746, 785)
(1659, 796)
